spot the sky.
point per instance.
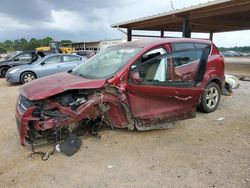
(86, 20)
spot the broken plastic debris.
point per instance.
(110, 166)
(232, 80)
(220, 119)
(57, 147)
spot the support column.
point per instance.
(185, 28)
(211, 35)
(129, 34)
(162, 33)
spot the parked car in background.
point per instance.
(8, 55)
(47, 65)
(144, 84)
(17, 59)
(84, 53)
(232, 54)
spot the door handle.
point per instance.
(183, 99)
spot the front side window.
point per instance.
(156, 70)
(106, 63)
(24, 57)
(52, 60)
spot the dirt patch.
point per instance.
(200, 152)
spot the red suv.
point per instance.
(145, 84)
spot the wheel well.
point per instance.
(5, 66)
(26, 72)
(218, 82)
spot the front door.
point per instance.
(49, 66)
(22, 59)
(160, 90)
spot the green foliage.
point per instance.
(66, 41)
(24, 45)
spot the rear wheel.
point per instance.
(3, 71)
(210, 98)
(27, 77)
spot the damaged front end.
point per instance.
(55, 118)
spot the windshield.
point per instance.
(12, 55)
(106, 63)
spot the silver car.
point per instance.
(48, 65)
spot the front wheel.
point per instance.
(27, 77)
(210, 98)
(3, 71)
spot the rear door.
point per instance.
(164, 93)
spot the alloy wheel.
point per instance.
(28, 77)
(212, 97)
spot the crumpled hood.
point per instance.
(51, 85)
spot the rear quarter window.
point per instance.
(182, 46)
(203, 45)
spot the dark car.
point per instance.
(18, 59)
(143, 85)
(84, 53)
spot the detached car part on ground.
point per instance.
(45, 66)
(143, 84)
(20, 58)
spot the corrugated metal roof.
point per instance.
(214, 16)
(177, 11)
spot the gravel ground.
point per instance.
(200, 152)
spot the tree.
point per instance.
(46, 41)
(65, 41)
(33, 44)
(8, 45)
(2, 50)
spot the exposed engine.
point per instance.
(73, 99)
(50, 125)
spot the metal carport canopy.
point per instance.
(211, 17)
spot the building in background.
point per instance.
(94, 45)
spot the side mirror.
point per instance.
(42, 63)
(16, 59)
(136, 77)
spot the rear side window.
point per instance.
(68, 58)
(188, 56)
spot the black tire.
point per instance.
(27, 77)
(3, 71)
(210, 98)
